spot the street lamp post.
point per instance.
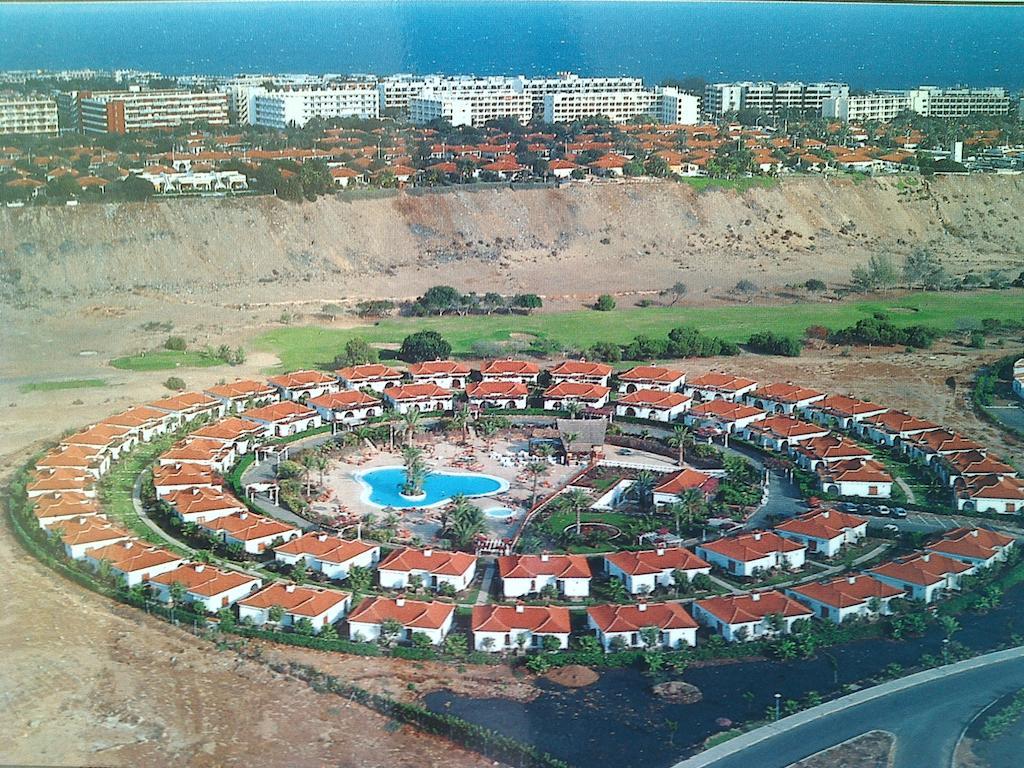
(945, 650)
(778, 699)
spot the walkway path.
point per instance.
(911, 498)
(926, 711)
(484, 595)
(726, 585)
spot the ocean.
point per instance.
(867, 45)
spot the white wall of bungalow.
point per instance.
(259, 616)
(840, 613)
(400, 578)
(212, 602)
(652, 412)
(745, 630)
(290, 425)
(306, 391)
(878, 489)
(329, 567)
(645, 583)
(783, 407)
(423, 404)
(350, 416)
(236, 403)
(672, 638)
(571, 587)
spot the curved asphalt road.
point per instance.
(927, 719)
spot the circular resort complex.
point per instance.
(538, 513)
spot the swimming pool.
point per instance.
(383, 486)
(501, 513)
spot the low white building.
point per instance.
(243, 394)
(319, 605)
(447, 374)
(432, 619)
(200, 505)
(651, 377)
(419, 397)
(644, 571)
(433, 567)
(285, 418)
(780, 433)
(753, 553)
(652, 404)
(628, 625)
(847, 597)
(723, 414)
(332, 556)
(253, 533)
(782, 398)
(924, 576)
(304, 385)
(824, 531)
(509, 627)
(529, 574)
(350, 406)
(373, 376)
(856, 477)
(561, 395)
(493, 395)
(978, 547)
(751, 616)
(718, 386)
(133, 561)
(204, 585)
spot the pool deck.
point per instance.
(446, 454)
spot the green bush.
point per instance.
(175, 383)
(605, 303)
(175, 343)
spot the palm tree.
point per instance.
(415, 471)
(680, 439)
(306, 461)
(461, 420)
(574, 409)
(642, 490)
(464, 521)
(321, 462)
(535, 469)
(410, 424)
(576, 501)
(568, 439)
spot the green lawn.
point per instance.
(311, 346)
(52, 386)
(164, 360)
(701, 183)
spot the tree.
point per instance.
(642, 490)
(424, 345)
(275, 614)
(178, 593)
(677, 291)
(465, 521)
(299, 572)
(605, 303)
(657, 166)
(421, 640)
(880, 273)
(461, 420)
(175, 383)
(527, 301)
(410, 425)
(360, 579)
(415, 471)
(575, 501)
(922, 269)
(650, 636)
(456, 645)
(680, 439)
(535, 469)
(439, 299)
(357, 352)
(390, 631)
(304, 627)
(550, 643)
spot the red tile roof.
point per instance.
(409, 613)
(529, 566)
(846, 591)
(369, 372)
(751, 546)
(417, 392)
(539, 619)
(652, 373)
(974, 543)
(685, 479)
(843, 406)
(656, 561)
(241, 389)
(301, 379)
(204, 580)
(741, 609)
(653, 398)
(331, 549)
(784, 393)
(633, 618)
(721, 382)
(439, 368)
(296, 599)
(787, 427)
(922, 568)
(577, 390)
(821, 524)
(581, 368)
(133, 555)
(507, 367)
(285, 411)
(481, 390)
(723, 410)
(347, 398)
(431, 560)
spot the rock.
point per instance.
(678, 692)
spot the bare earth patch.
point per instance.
(572, 676)
(870, 750)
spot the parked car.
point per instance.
(890, 528)
(899, 512)
(882, 510)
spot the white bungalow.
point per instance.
(433, 567)
(652, 404)
(350, 406)
(447, 374)
(923, 576)
(625, 625)
(782, 398)
(651, 377)
(372, 376)
(432, 619)
(285, 418)
(332, 556)
(824, 531)
(133, 561)
(527, 574)
(644, 571)
(747, 617)
(752, 553)
(304, 385)
(241, 395)
(204, 585)
(319, 605)
(559, 396)
(508, 627)
(846, 597)
(419, 397)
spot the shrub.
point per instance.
(746, 286)
(175, 383)
(769, 343)
(424, 345)
(815, 285)
(605, 303)
(175, 343)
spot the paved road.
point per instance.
(926, 718)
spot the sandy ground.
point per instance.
(871, 750)
(88, 682)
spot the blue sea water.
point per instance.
(867, 45)
(385, 485)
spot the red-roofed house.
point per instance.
(319, 605)
(753, 553)
(932, 445)
(204, 585)
(582, 371)
(61, 480)
(254, 533)
(780, 433)
(653, 404)
(855, 477)
(214, 454)
(510, 370)
(748, 617)
(924, 575)
(94, 461)
(446, 374)
(133, 561)
(431, 619)
(241, 394)
(498, 394)
(303, 385)
(55, 507)
(526, 574)
(623, 625)
(892, 427)
(199, 505)
(964, 465)
(724, 415)
(978, 547)
(719, 386)
(350, 406)
(419, 397)
(80, 534)
(189, 406)
(991, 493)
(782, 398)
(506, 627)
(168, 478)
(433, 567)
(651, 377)
(287, 417)
(644, 571)
(844, 597)
(824, 531)
(826, 450)
(674, 485)
(373, 376)
(332, 556)
(842, 411)
(559, 396)
(240, 434)
(147, 422)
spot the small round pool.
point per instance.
(501, 513)
(384, 485)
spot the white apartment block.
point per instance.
(241, 88)
(667, 105)
(28, 114)
(926, 100)
(139, 110)
(297, 106)
(471, 108)
(770, 97)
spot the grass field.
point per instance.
(311, 346)
(701, 183)
(53, 386)
(165, 360)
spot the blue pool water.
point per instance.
(384, 486)
(501, 513)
